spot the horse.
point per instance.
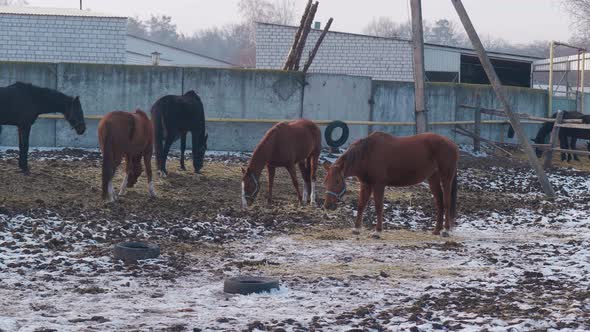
(130, 135)
(22, 103)
(173, 117)
(381, 160)
(285, 145)
(567, 136)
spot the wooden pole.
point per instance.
(553, 140)
(317, 46)
(501, 94)
(583, 83)
(477, 126)
(418, 41)
(291, 55)
(304, 34)
(550, 90)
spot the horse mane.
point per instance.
(353, 154)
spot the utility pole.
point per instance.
(501, 94)
(418, 41)
(80, 4)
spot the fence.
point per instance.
(254, 99)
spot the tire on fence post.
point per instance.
(343, 138)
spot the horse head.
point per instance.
(75, 116)
(200, 154)
(335, 185)
(250, 187)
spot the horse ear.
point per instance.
(77, 98)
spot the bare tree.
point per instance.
(446, 32)
(386, 27)
(579, 11)
(13, 2)
(279, 11)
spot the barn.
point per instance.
(42, 34)
(388, 59)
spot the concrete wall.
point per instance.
(254, 94)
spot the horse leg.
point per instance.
(378, 193)
(563, 144)
(364, 196)
(291, 170)
(167, 144)
(128, 169)
(437, 193)
(306, 180)
(312, 167)
(182, 149)
(23, 142)
(271, 179)
(447, 184)
(147, 160)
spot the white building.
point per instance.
(387, 59)
(39, 34)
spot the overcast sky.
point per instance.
(518, 21)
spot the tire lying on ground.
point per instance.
(328, 133)
(131, 252)
(247, 285)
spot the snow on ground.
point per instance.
(505, 268)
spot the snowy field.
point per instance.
(515, 262)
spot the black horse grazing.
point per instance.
(567, 136)
(21, 104)
(174, 116)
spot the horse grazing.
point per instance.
(174, 116)
(381, 160)
(567, 136)
(122, 134)
(284, 145)
(22, 103)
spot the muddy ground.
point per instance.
(514, 261)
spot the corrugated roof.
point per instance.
(50, 11)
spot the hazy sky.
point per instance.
(514, 20)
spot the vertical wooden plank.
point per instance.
(501, 94)
(553, 140)
(477, 129)
(418, 41)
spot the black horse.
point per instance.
(173, 117)
(567, 136)
(21, 104)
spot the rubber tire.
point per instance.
(131, 252)
(247, 285)
(328, 133)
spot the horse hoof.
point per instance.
(376, 235)
(444, 234)
(182, 168)
(162, 174)
(436, 232)
(356, 231)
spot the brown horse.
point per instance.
(130, 135)
(284, 145)
(381, 160)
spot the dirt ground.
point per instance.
(513, 261)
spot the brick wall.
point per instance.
(38, 38)
(340, 53)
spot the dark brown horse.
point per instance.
(381, 160)
(286, 144)
(129, 135)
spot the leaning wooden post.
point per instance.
(304, 34)
(553, 140)
(291, 56)
(477, 125)
(418, 41)
(501, 94)
(317, 46)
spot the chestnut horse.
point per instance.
(130, 135)
(284, 145)
(381, 160)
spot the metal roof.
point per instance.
(50, 11)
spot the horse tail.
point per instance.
(108, 159)
(158, 135)
(454, 198)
